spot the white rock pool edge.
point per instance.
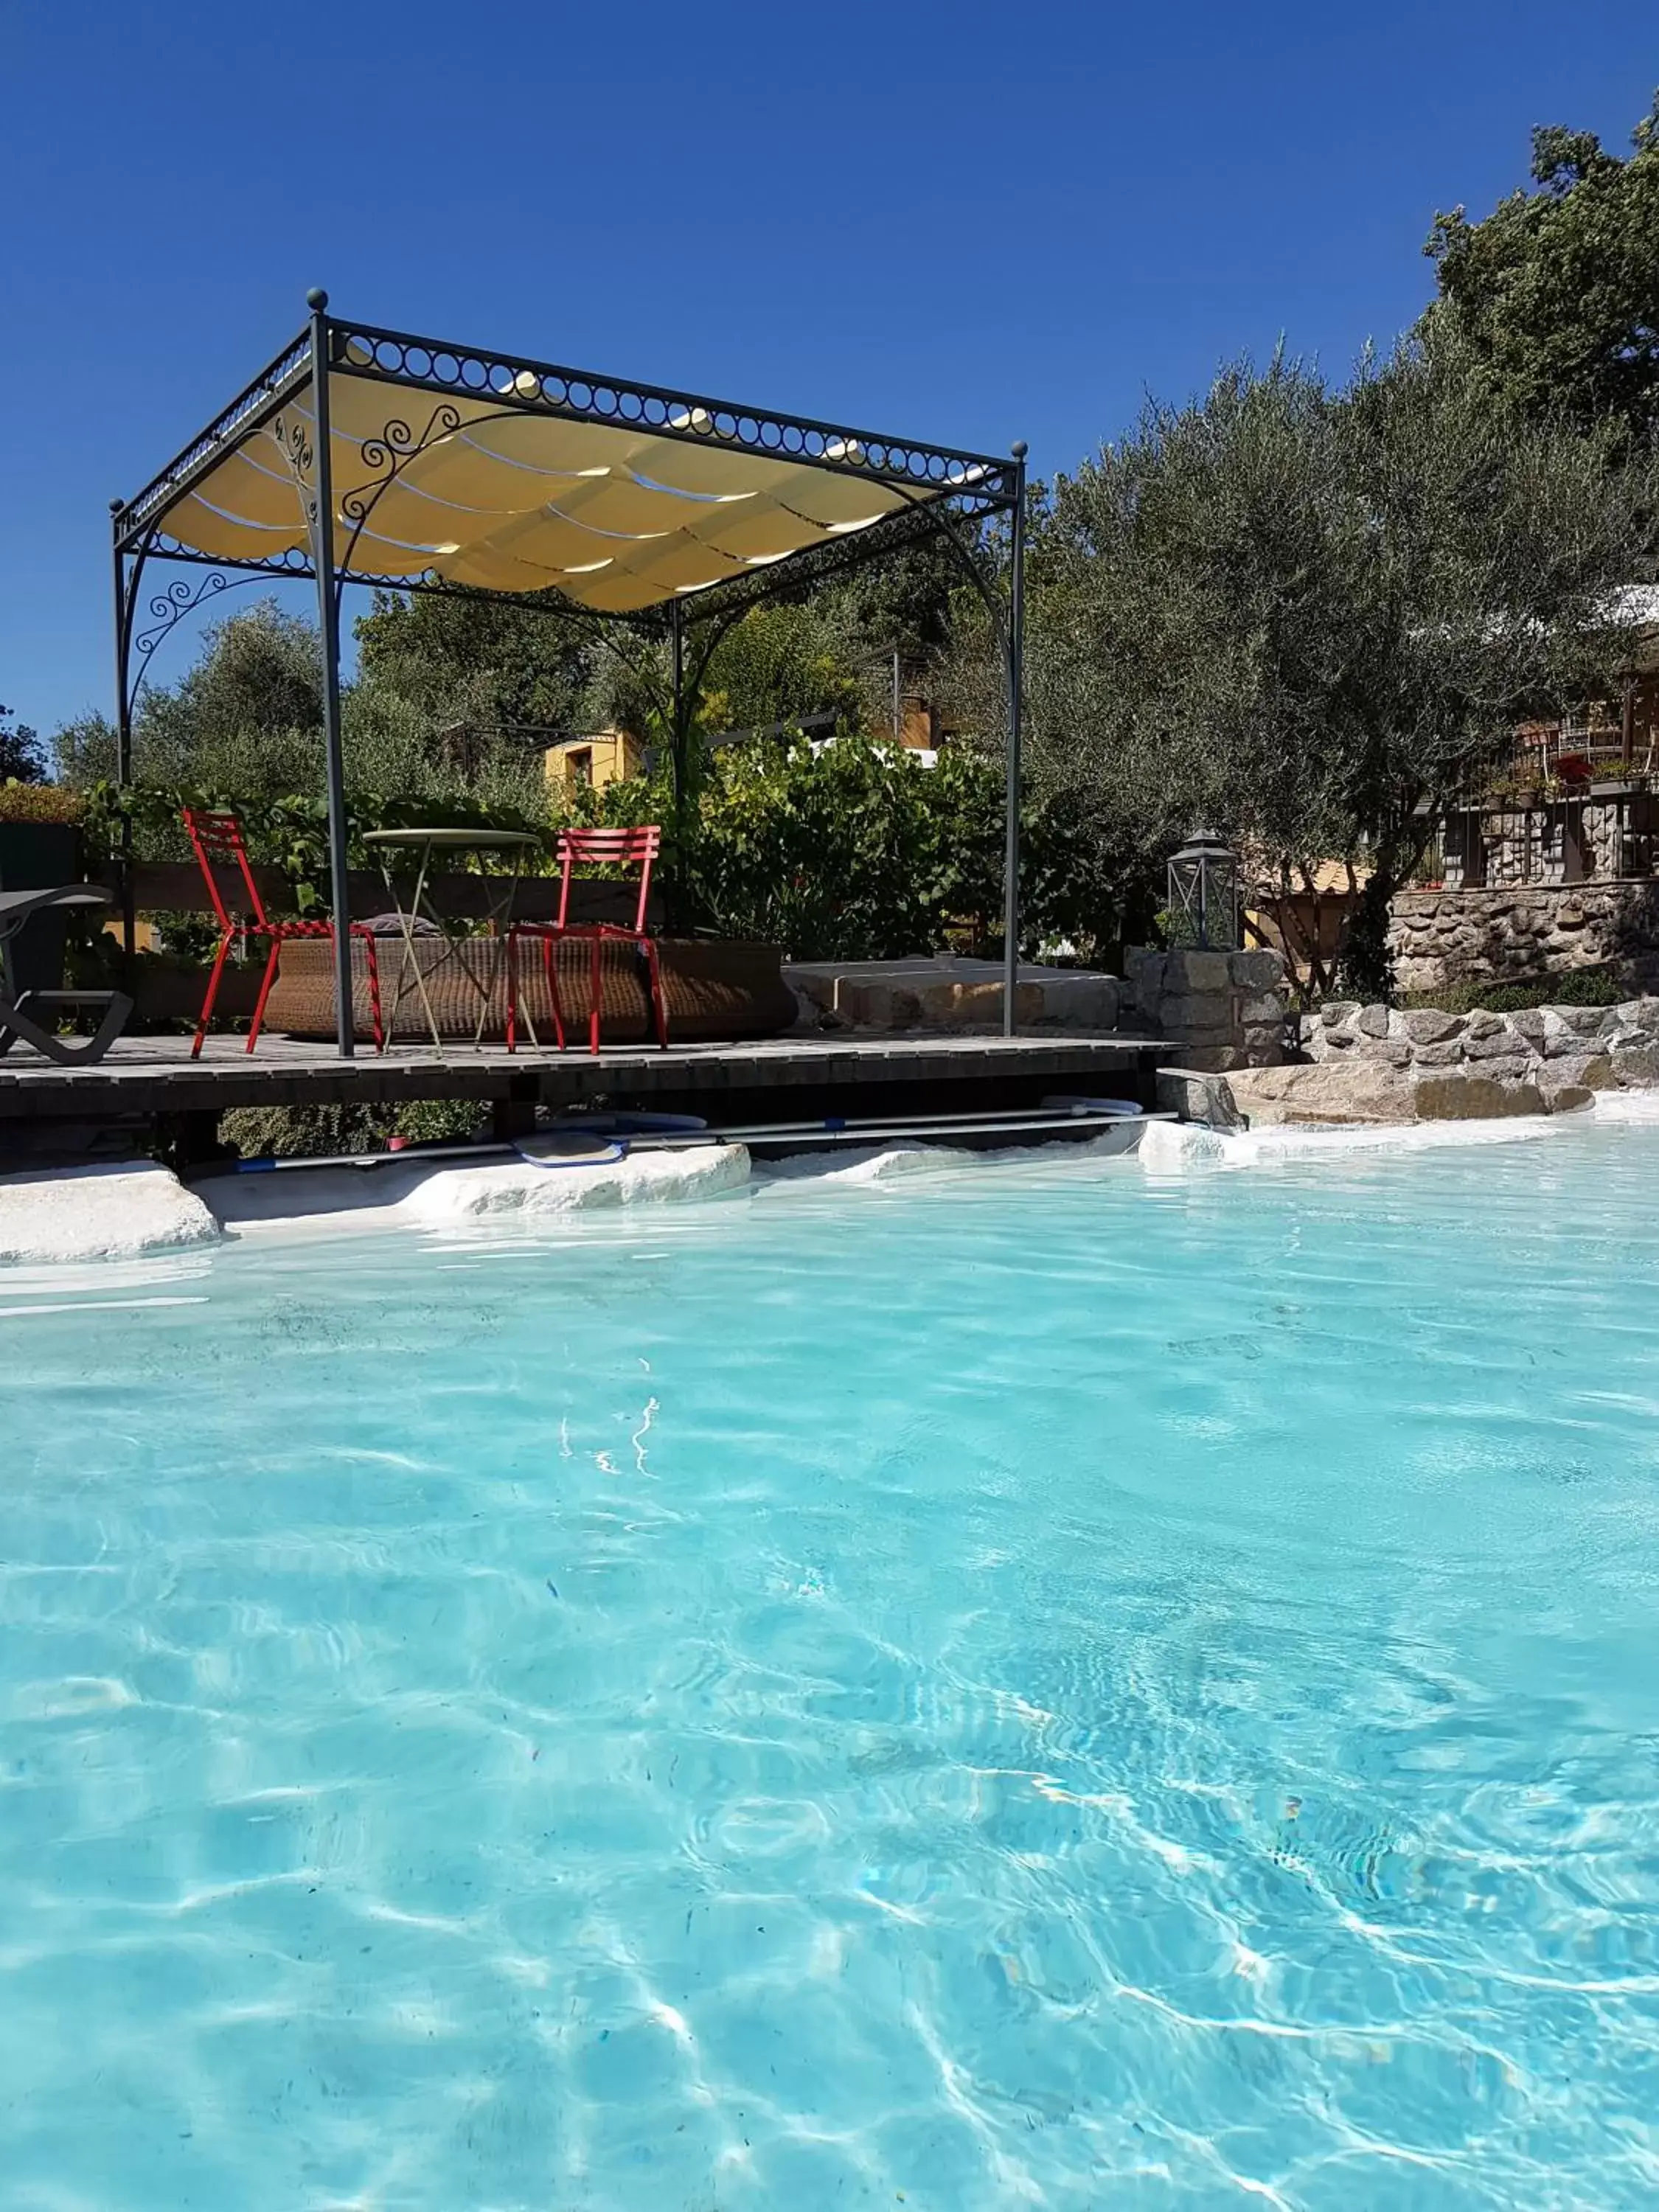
(429, 1195)
(133, 1211)
(108, 1211)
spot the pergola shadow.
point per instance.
(418, 465)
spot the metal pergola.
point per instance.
(413, 403)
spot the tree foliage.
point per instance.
(478, 661)
(1310, 617)
(22, 757)
(246, 721)
(1556, 292)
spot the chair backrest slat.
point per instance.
(216, 839)
(613, 848)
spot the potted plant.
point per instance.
(1573, 773)
(40, 847)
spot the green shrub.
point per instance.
(852, 850)
(1588, 986)
(260, 1133)
(38, 802)
(1581, 987)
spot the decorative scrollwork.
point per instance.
(292, 560)
(390, 454)
(294, 439)
(168, 609)
(396, 357)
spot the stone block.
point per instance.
(1143, 969)
(1257, 970)
(1336, 1013)
(1082, 1001)
(1187, 973)
(1582, 1021)
(1350, 1093)
(1266, 1008)
(1566, 1097)
(1473, 1098)
(959, 1005)
(1261, 1050)
(1425, 1025)
(1182, 1013)
(891, 1006)
(1498, 1043)
(1591, 1072)
(1372, 1021)
(1637, 1066)
(1564, 1037)
(1198, 1097)
(1212, 1059)
(1447, 1053)
(1387, 1052)
(1481, 1025)
(1512, 1068)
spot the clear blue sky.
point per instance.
(957, 221)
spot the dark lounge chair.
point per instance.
(15, 910)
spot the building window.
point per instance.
(579, 766)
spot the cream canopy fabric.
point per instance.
(491, 490)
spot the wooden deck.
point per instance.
(147, 1076)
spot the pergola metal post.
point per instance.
(124, 599)
(328, 613)
(679, 751)
(1014, 651)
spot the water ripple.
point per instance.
(1012, 1686)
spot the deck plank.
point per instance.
(157, 1075)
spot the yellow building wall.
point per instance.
(606, 756)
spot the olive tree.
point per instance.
(1313, 617)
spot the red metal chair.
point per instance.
(624, 848)
(215, 837)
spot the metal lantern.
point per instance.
(1203, 904)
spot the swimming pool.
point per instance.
(1039, 1685)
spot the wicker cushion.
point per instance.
(714, 990)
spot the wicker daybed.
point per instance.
(716, 991)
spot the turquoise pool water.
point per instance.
(1037, 1686)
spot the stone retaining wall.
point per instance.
(1554, 1048)
(1218, 1010)
(1440, 938)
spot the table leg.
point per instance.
(499, 916)
(406, 924)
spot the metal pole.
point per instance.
(682, 764)
(1014, 647)
(328, 611)
(898, 735)
(123, 750)
(123, 703)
